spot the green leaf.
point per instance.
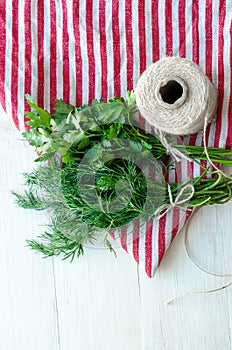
(74, 137)
(35, 137)
(83, 143)
(44, 157)
(62, 107)
(58, 145)
(42, 119)
(97, 102)
(111, 112)
(131, 98)
(67, 158)
(85, 119)
(135, 146)
(58, 118)
(113, 131)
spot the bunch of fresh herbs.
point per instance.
(118, 192)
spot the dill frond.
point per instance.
(30, 200)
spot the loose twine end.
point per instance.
(170, 301)
(188, 252)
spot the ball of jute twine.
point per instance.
(175, 96)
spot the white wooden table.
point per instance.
(100, 302)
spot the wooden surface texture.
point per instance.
(100, 302)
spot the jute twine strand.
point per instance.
(188, 251)
(170, 149)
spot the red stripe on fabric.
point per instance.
(2, 53)
(141, 122)
(178, 172)
(148, 248)
(123, 238)
(155, 30)
(208, 37)
(142, 35)
(27, 57)
(116, 47)
(229, 136)
(161, 238)
(222, 11)
(40, 57)
(65, 49)
(112, 234)
(208, 58)
(175, 222)
(182, 30)
(190, 165)
(168, 27)
(187, 215)
(129, 45)
(78, 58)
(103, 50)
(190, 169)
(14, 62)
(53, 39)
(136, 232)
(90, 49)
(195, 31)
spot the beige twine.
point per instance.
(188, 251)
(170, 149)
(180, 199)
(175, 96)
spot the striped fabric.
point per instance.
(84, 49)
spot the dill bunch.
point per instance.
(117, 197)
(120, 194)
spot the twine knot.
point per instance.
(165, 208)
(170, 149)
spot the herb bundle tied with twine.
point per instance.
(93, 175)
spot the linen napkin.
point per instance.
(84, 49)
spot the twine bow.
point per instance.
(165, 208)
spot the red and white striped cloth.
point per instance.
(84, 49)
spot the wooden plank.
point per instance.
(194, 321)
(28, 312)
(95, 301)
(99, 305)
(98, 302)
